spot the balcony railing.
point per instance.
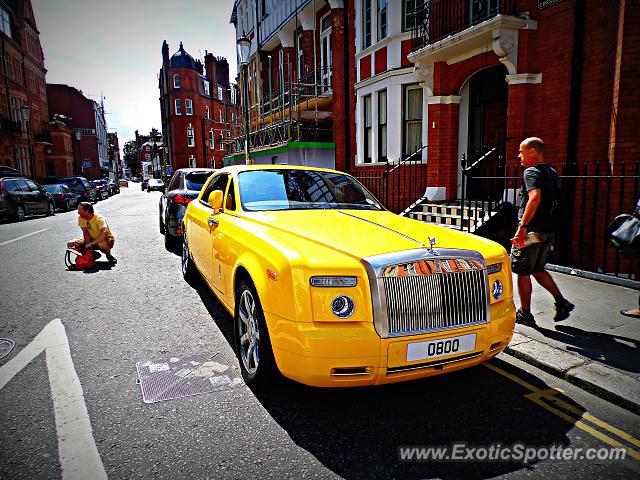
(436, 19)
(8, 126)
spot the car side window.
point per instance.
(21, 185)
(86, 183)
(217, 183)
(230, 201)
(32, 186)
(11, 186)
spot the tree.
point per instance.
(131, 157)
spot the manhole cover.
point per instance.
(175, 377)
(6, 346)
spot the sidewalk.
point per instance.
(596, 348)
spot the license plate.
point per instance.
(441, 347)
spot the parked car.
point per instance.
(20, 197)
(144, 184)
(184, 186)
(102, 191)
(114, 186)
(64, 198)
(156, 185)
(9, 172)
(82, 187)
(328, 288)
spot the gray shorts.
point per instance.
(532, 259)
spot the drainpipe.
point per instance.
(347, 84)
(571, 167)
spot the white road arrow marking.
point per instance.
(77, 449)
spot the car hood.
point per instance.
(365, 233)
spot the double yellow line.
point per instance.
(548, 400)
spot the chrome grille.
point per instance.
(417, 301)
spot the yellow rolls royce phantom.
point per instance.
(328, 288)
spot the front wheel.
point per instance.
(67, 206)
(20, 213)
(253, 345)
(51, 209)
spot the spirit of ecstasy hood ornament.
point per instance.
(432, 242)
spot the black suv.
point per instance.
(82, 187)
(185, 185)
(20, 197)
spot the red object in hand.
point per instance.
(525, 240)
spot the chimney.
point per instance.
(210, 69)
(165, 53)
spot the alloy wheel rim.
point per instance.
(249, 333)
(20, 213)
(52, 209)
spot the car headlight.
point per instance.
(334, 281)
(343, 306)
(496, 290)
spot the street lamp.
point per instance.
(77, 135)
(25, 111)
(244, 45)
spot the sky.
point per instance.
(114, 48)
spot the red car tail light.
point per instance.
(60, 196)
(181, 199)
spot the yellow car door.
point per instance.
(202, 227)
(221, 245)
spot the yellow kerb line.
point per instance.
(538, 394)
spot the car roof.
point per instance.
(243, 168)
(14, 178)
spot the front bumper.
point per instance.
(353, 354)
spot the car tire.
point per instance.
(253, 344)
(162, 226)
(51, 209)
(67, 206)
(170, 242)
(189, 271)
(20, 213)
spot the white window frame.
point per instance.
(206, 87)
(188, 106)
(192, 162)
(207, 113)
(191, 137)
(379, 35)
(325, 63)
(176, 81)
(220, 93)
(220, 116)
(178, 106)
(211, 139)
(5, 21)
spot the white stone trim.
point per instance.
(336, 4)
(520, 78)
(443, 100)
(383, 76)
(400, 37)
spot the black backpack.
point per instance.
(548, 216)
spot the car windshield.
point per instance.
(155, 181)
(302, 189)
(52, 188)
(74, 184)
(195, 180)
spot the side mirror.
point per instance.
(215, 200)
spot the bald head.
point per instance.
(531, 151)
(534, 142)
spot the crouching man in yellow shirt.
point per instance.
(95, 232)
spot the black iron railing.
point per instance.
(434, 20)
(397, 186)
(9, 126)
(598, 194)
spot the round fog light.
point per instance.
(496, 290)
(343, 306)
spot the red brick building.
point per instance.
(197, 105)
(87, 117)
(297, 82)
(22, 83)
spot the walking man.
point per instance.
(95, 232)
(540, 213)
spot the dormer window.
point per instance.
(176, 81)
(220, 92)
(205, 85)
